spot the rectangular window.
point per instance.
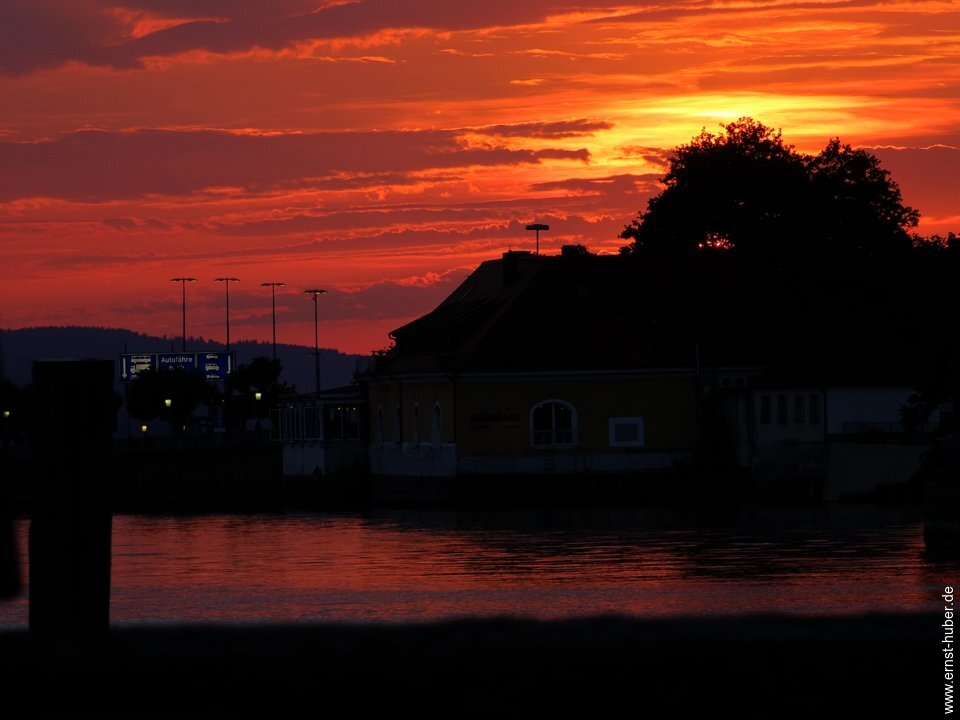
(351, 423)
(798, 408)
(783, 407)
(814, 409)
(334, 423)
(312, 423)
(626, 432)
(765, 410)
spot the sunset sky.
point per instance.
(381, 149)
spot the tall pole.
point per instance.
(316, 335)
(538, 227)
(273, 306)
(183, 304)
(226, 282)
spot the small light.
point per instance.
(257, 395)
(6, 414)
(168, 402)
(143, 429)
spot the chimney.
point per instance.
(573, 251)
(511, 265)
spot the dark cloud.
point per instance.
(652, 155)
(45, 33)
(392, 299)
(126, 224)
(97, 165)
(559, 129)
(352, 219)
(659, 12)
(410, 241)
(625, 184)
(39, 34)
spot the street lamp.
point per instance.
(226, 283)
(538, 227)
(183, 285)
(316, 334)
(273, 305)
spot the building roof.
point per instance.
(575, 312)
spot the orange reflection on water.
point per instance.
(557, 564)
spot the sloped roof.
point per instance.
(588, 312)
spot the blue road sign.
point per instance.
(130, 365)
(212, 365)
(215, 365)
(173, 361)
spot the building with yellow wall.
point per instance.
(545, 368)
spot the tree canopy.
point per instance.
(151, 390)
(746, 188)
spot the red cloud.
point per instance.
(97, 165)
(47, 33)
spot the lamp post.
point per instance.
(183, 285)
(316, 334)
(273, 306)
(226, 283)
(538, 227)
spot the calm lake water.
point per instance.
(415, 566)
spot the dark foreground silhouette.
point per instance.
(756, 667)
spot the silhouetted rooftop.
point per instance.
(527, 312)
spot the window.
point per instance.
(380, 425)
(416, 424)
(312, 423)
(397, 425)
(351, 423)
(343, 422)
(782, 409)
(626, 432)
(765, 410)
(814, 409)
(798, 408)
(436, 428)
(553, 423)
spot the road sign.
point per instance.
(215, 365)
(130, 365)
(174, 361)
(212, 365)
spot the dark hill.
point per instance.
(18, 349)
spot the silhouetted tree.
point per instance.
(260, 375)
(746, 189)
(856, 205)
(150, 390)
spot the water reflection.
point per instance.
(409, 566)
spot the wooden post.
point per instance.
(70, 529)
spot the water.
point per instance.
(417, 566)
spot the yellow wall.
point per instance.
(421, 393)
(493, 416)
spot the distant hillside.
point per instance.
(18, 349)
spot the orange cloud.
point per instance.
(382, 147)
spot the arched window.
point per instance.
(436, 428)
(553, 423)
(416, 424)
